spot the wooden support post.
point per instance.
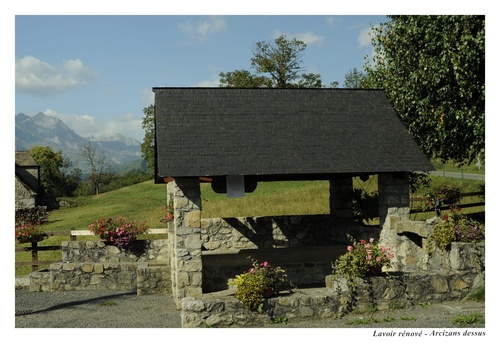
(34, 256)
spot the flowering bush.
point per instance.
(253, 284)
(456, 227)
(361, 258)
(169, 212)
(434, 198)
(120, 231)
(29, 232)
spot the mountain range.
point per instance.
(44, 130)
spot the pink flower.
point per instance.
(349, 248)
(371, 240)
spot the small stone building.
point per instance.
(235, 138)
(27, 178)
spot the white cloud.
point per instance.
(202, 29)
(148, 97)
(213, 82)
(128, 124)
(364, 37)
(37, 77)
(307, 37)
(331, 21)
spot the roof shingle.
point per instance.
(271, 131)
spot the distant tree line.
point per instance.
(58, 177)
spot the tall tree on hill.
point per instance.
(98, 162)
(433, 70)
(147, 146)
(277, 64)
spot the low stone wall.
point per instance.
(401, 290)
(124, 276)
(156, 251)
(93, 265)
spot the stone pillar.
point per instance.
(341, 195)
(185, 239)
(394, 192)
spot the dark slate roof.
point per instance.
(271, 131)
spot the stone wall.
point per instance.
(125, 276)
(25, 197)
(305, 246)
(93, 265)
(410, 242)
(156, 251)
(402, 290)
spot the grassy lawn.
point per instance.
(145, 202)
(450, 167)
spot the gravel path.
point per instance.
(93, 309)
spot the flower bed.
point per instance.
(118, 231)
(29, 233)
(362, 258)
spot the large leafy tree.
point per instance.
(354, 79)
(57, 176)
(147, 146)
(277, 64)
(433, 70)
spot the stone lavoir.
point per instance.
(418, 276)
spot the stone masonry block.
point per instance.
(87, 268)
(98, 268)
(68, 266)
(192, 265)
(192, 242)
(193, 219)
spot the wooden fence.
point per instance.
(73, 234)
(463, 204)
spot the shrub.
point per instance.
(253, 284)
(434, 198)
(361, 257)
(31, 215)
(456, 227)
(119, 231)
